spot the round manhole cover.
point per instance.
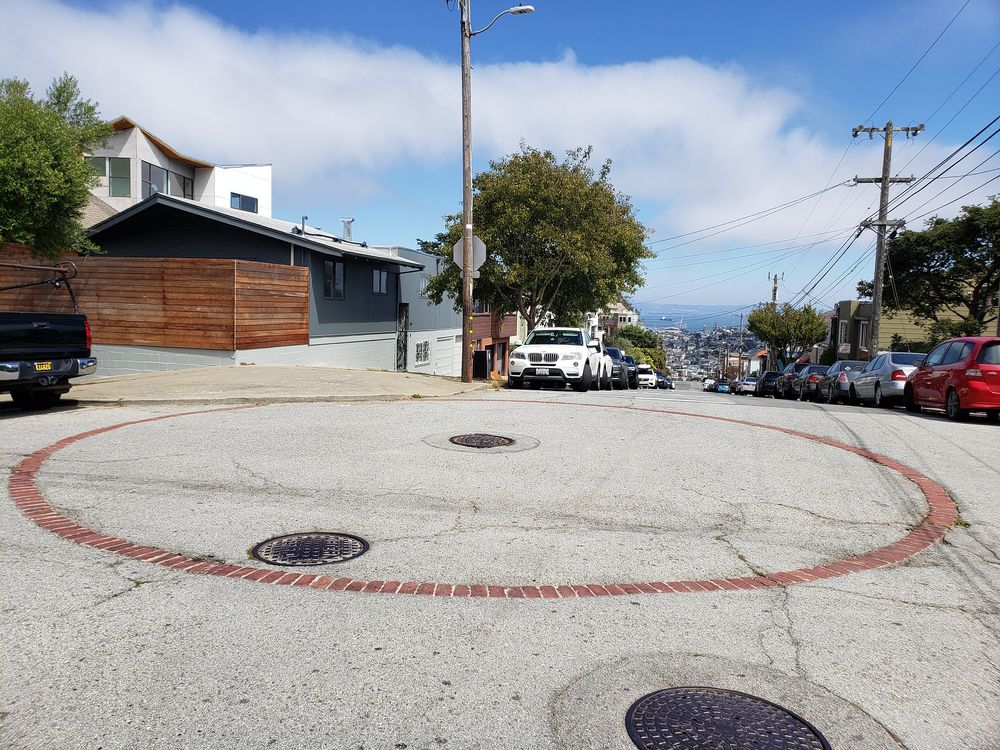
(690, 718)
(317, 548)
(480, 440)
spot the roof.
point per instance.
(263, 225)
(95, 211)
(124, 123)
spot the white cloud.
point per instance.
(695, 144)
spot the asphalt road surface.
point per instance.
(600, 490)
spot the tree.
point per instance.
(559, 238)
(44, 180)
(644, 345)
(788, 331)
(641, 337)
(949, 270)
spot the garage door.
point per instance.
(444, 355)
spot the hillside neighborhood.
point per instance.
(386, 377)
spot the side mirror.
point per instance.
(595, 345)
(922, 362)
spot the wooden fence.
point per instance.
(176, 302)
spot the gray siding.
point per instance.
(360, 311)
(424, 315)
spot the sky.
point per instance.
(709, 113)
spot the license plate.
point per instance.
(542, 371)
(43, 366)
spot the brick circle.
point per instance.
(941, 515)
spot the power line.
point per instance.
(955, 200)
(669, 261)
(949, 187)
(919, 60)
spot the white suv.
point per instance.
(560, 355)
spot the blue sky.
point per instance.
(708, 112)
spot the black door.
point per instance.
(402, 334)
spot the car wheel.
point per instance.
(514, 383)
(28, 400)
(830, 398)
(953, 407)
(878, 402)
(854, 396)
(909, 402)
(585, 380)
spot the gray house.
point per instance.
(356, 315)
(435, 331)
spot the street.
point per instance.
(514, 644)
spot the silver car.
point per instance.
(836, 383)
(883, 379)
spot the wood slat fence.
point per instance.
(175, 302)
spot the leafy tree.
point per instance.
(642, 344)
(787, 330)
(44, 180)
(559, 238)
(950, 269)
(639, 336)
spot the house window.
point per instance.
(243, 202)
(863, 334)
(181, 186)
(843, 332)
(98, 164)
(380, 281)
(479, 307)
(154, 179)
(333, 279)
(423, 352)
(424, 281)
(120, 177)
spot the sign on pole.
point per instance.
(478, 254)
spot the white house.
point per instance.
(134, 164)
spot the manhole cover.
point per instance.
(317, 548)
(479, 440)
(690, 718)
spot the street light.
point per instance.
(467, 34)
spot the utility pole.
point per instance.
(883, 219)
(466, 20)
(772, 361)
(774, 288)
(739, 373)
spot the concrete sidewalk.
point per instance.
(264, 384)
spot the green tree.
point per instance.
(44, 180)
(642, 337)
(949, 269)
(559, 238)
(787, 330)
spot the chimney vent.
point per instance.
(347, 226)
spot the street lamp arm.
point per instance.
(517, 10)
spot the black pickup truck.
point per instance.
(39, 351)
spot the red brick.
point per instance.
(461, 589)
(479, 590)
(425, 589)
(548, 592)
(443, 589)
(373, 587)
(567, 592)
(320, 582)
(409, 587)
(287, 579)
(629, 588)
(391, 587)
(355, 586)
(271, 577)
(497, 592)
(597, 589)
(515, 593)
(582, 591)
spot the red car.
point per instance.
(959, 376)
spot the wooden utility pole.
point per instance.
(465, 16)
(772, 361)
(883, 220)
(739, 372)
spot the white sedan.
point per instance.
(560, 355)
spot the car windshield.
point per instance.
(906, 358)
(613, 353)
(555, 338)
(751, 378)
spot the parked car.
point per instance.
(668, 383)
(645, 376)
(722, 387)
(835, 385)
(619, 369)
(661, 378)
(959, 376)
(708, 385)
(633, 375)
(882, 381)
(806, 381)
(745, 385)
(766, 383)
(39, 351)
(559, 355)
(783, 385)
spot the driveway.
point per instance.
(523, 596)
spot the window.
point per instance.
(863, 334)
(423, 352)
(937, 354)
(424, 281)
(380, 281)
(990, 353)
(120, 177)
(181, 186)
(243, 202)
(154, 179)
(479, 307)
(333, 279)
(957, 352)
(98, 164)
(843, 332)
